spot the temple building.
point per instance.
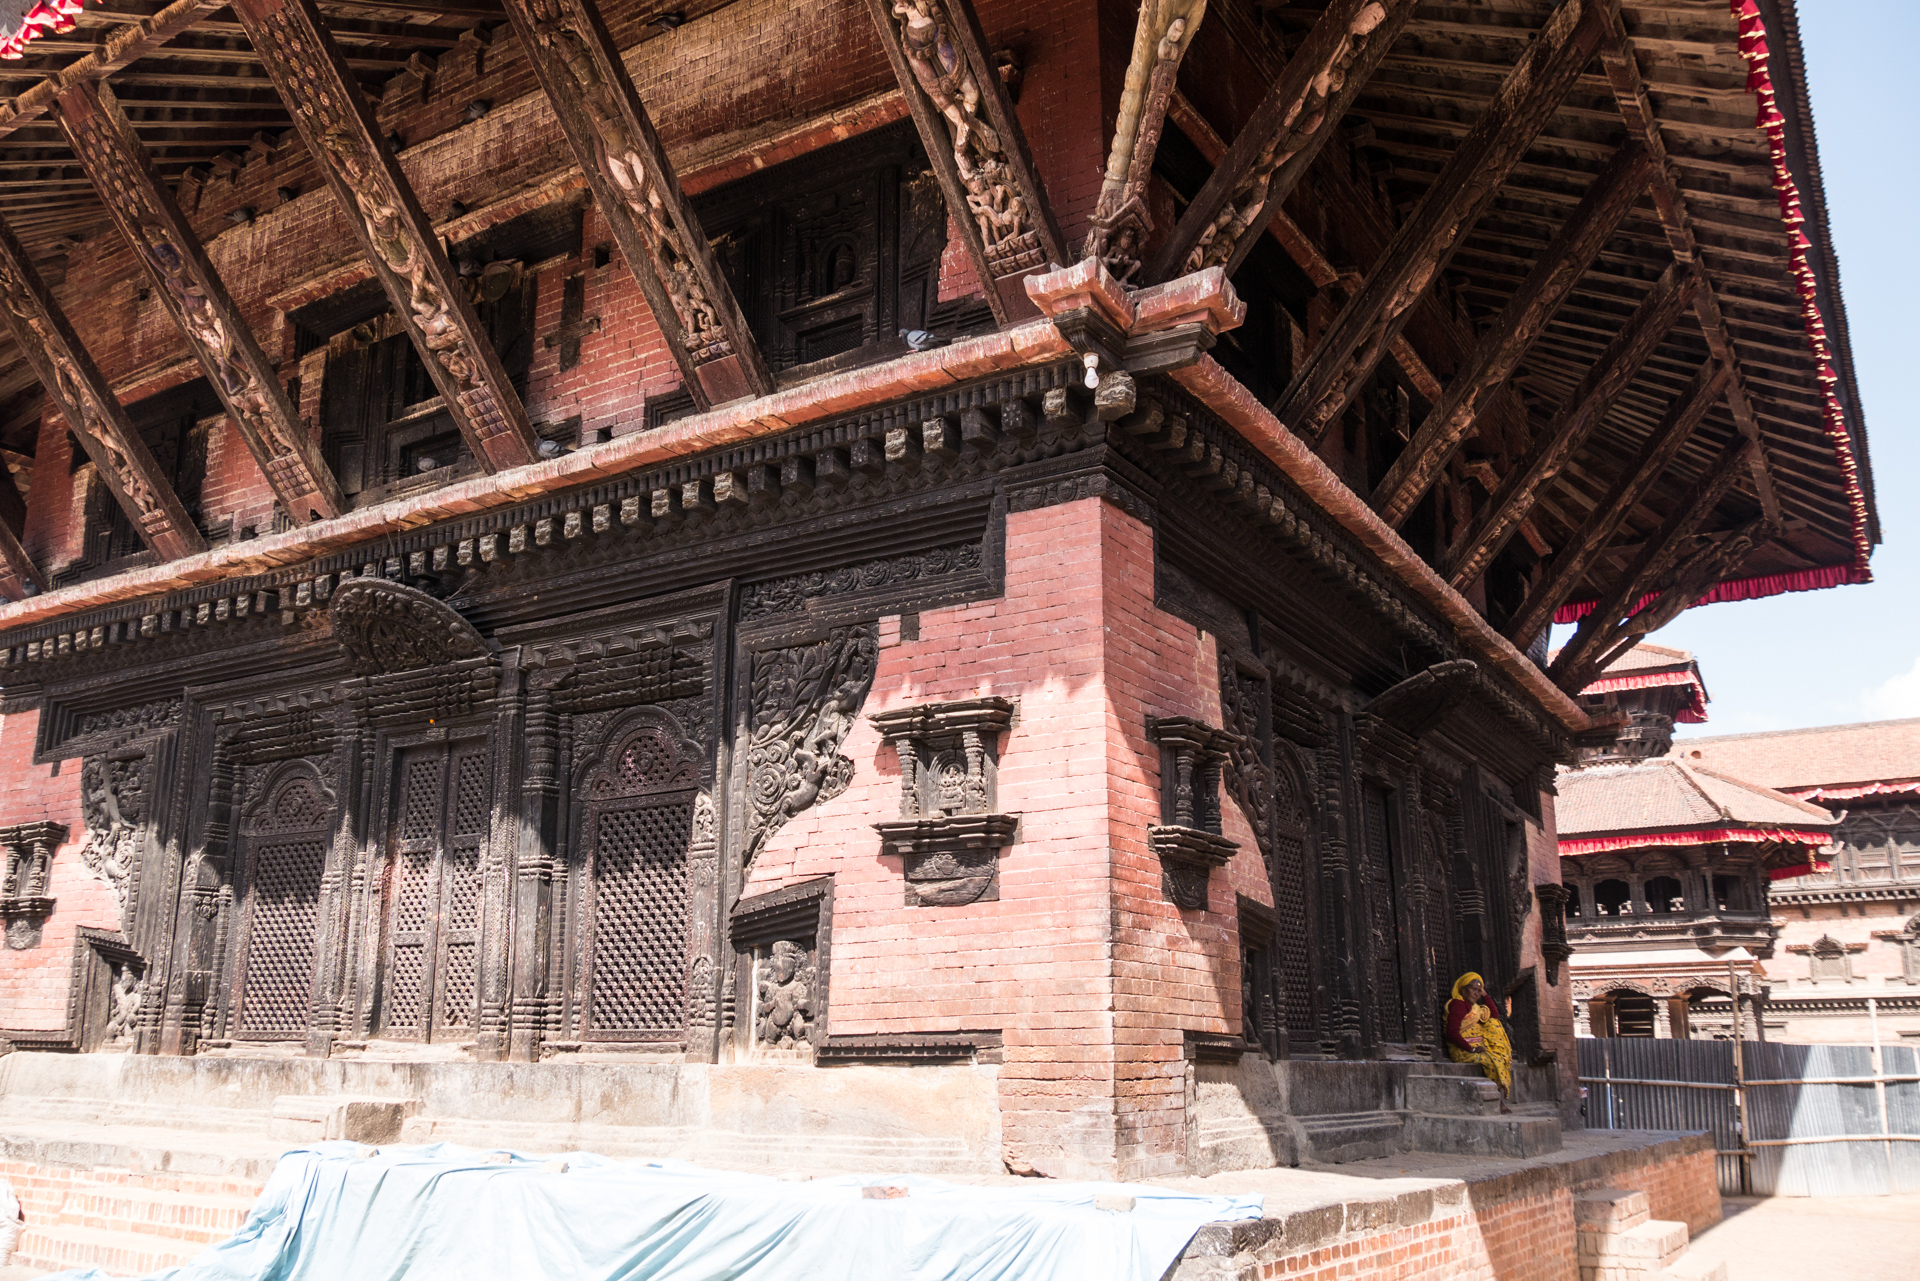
(1847, 950)
(955, 584)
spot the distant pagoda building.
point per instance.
(1668, 864)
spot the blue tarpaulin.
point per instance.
(344, 1212)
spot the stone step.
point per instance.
(193, 1217)
(1336, 1138)
(57, 1247)
(1610, 1209)
(1452, 1095)
(1693, 1270)
(1630, 1254)
(1512, 1136)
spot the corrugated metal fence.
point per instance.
(1787, 1120)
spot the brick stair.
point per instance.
(1619, 1240)
(126, 1223)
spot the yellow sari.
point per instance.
(1495, 1055)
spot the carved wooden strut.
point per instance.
(1354, 344)
(86, 400)
(336, 122)
(637, 191)
(1279, 141)
(1121, 219)
(966, 121)
(163, 241)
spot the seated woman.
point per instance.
(1475, 1035)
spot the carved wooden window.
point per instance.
(639, 822)
(384, 429)
(1827, 959)
(440, 816)
(833, 254)
(285, 833)
(1260, 979)
(176, 425)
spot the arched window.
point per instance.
(1632, 1014)
(285, 834)
(1730, 893)
(1613, 898)
(1664, 896)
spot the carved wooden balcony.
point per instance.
(1188, 841)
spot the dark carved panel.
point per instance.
(388, 627)
(782, 941)
(948, 835)
(795, 593)
(640, 824)
(804, 699)
(1382, 918)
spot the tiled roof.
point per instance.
(1800, 759)
(1668, 795)
(1645, 666)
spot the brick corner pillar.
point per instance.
(1557, 1027)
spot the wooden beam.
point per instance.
(1598, 634)
(979, 153)
(639, 194)
(1480, 542)
(14, 561)
(127, 45)
(1419, 251)
(1121, 220)
(75, 385)
(1280, 140)
(1610, 512)
(143, 210)
(336, 121)
(1502, 348)
(1630, 96)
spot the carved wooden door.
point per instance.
(441, 812)
(284, 835)
(639, 823)
(1383, 917)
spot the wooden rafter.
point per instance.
(1354, 344)
(336, 122)
(1121, 220)
(1617, 613)
(134, 41)
(1634, 483)
(965, 119)
(1280, 140)
(1618, 365)
(1630, 95)
(76, 387)
(1501, 349)
(144, 212)
(638, 192)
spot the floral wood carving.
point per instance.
(614, 138)
(1121, 221)
(804, 699)
(387, 627)
(113, 801)
(86, 401)
(103, 141)
(335, 120)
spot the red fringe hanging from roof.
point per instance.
(1715, 836)
(1695, 713)
(1799, 580)
(1848, 793)
(47, 15)
(1812, 866)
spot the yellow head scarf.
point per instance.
(1460, 985)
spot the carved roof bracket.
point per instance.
(965, 118)
(1418, 704)
(85, 399)
(636, 189)
(163, 241)
(336, 122)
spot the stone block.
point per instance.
(1694, 1270)
(311, 1118)
(1610, 1209)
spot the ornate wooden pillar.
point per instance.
(336, 122)
(639, 194)
(1339, 819)
(75, 386)
(533, 925)
(334, 911)
(161, 238)
(204, 890)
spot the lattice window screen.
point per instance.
(640, 913)
(280, 943)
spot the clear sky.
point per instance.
(1847, 653)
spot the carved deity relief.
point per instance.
(940, 66)
(804, 699)
(1303, 119)
(783, 995)
(1121, 221)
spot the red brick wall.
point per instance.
(34, 981)
(1082, 963)
(1685, 1189)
